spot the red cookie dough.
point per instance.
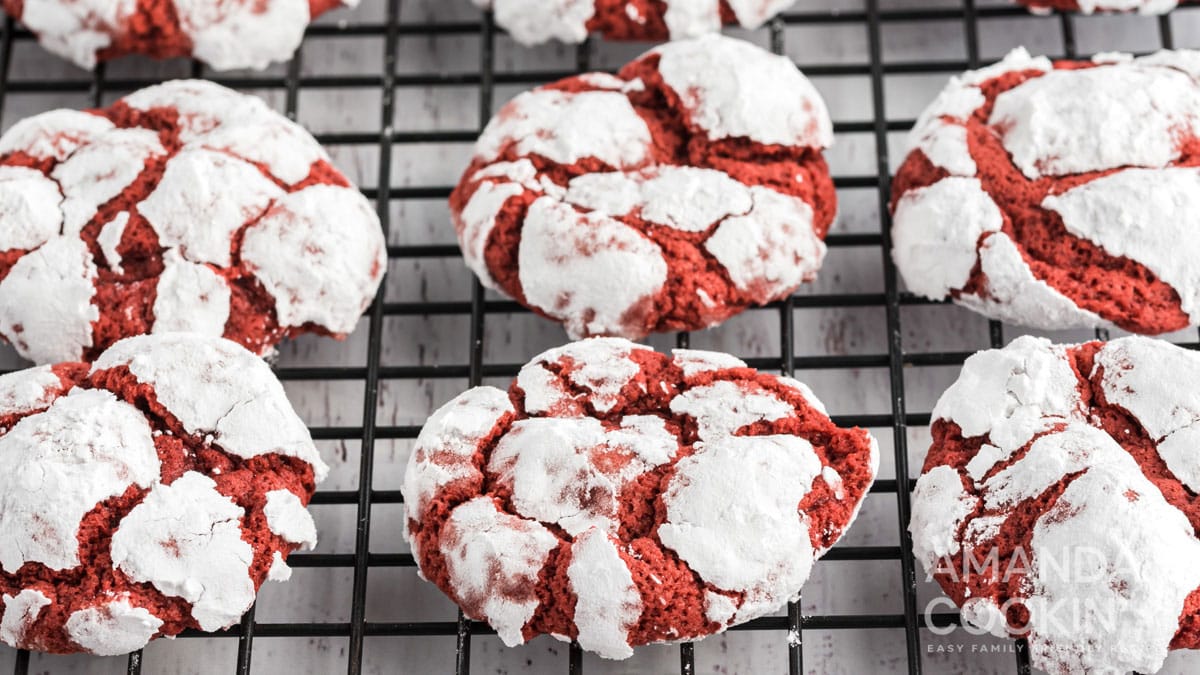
(571, 21)
(149, 493)
(1059, 195)
(669, 197)
(225, 34)
(1092, 6)
(618, 497)
(183, 206)
(1059, 500)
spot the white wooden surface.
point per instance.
(395, 594)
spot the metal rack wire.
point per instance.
(793, 626)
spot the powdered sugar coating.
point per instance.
(571, 471)
(110, 238)
(204, 197)
(1015, 61)
(600, 369)
(691, 18)
(1062, 476)
(78, 29)
(772, 249)
(945, 145)
(478, 220)
(20, 611)
(955, 103)
(124, 524)
(220, 201)
(25, 391)
(685, 198)
(287, 517)
(279, 570)
(1110, 488)
(578, 204)
(939, 507)
(694, 361)
(184, 285)
(54, 134)
(243, 34)
(1012, 394)
(936, 230)
(723, 407)
(226, 35)
(203, 107)
(284, 147)
(113, 628)
(1184, 60)
(719, 608)
(571, 21)
(42, 326)
(1148, 215)
(213, 386)
(607, 602)
(483, 546)
(734, 89)
(29, 208)
(798, 387)
(1177, 452)
(565, 471)
(47, 458)
(588, 271)
(1051, 123)
(1095, 151)
(1015, 295)
(1147, 597)
(96, 172)
(567, 127)
(447, 442)
(186, 540)
(562, 20)
(760, 549)
(320, 253)
(1134, 367)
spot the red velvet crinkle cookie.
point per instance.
(1059, 500)
(1093, 6)
(225, 34)
(572, 21)
(669, 197)
(151, 492)
(183, 206)
(617, 496)
(1059, 195)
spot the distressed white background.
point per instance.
(396, 594)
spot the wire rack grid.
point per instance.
(878, 125)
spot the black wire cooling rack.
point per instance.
(872, 16)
